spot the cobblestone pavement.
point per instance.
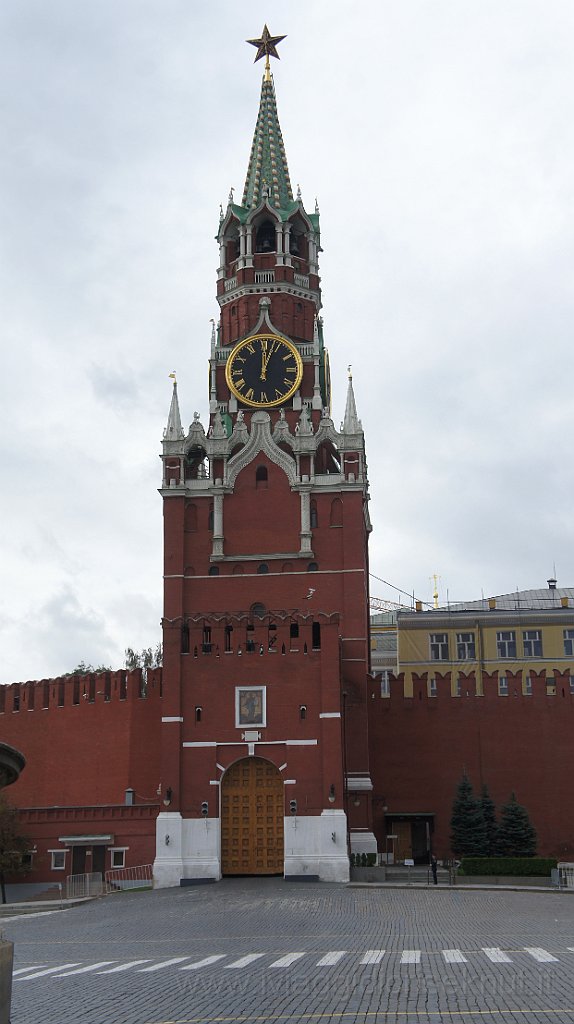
(263, 950)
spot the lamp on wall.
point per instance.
(167, 797)
(332, 794)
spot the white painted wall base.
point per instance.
(192, 851)
(313, 846)
(168, 864)
(317, 846)
(363, 842)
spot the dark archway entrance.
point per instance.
(252, 811)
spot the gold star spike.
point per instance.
(266, 45)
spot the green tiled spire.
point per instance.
(268, 170)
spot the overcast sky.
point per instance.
(438, 138)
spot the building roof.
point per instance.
(544, 599)
(268, 171)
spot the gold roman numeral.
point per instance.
(240, 384)
(263, 397)
(250, 347)
(249, 395)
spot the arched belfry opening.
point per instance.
(252, 813)
(265, 237)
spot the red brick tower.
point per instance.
(266, 651)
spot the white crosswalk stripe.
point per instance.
(125, 967)
(369, 957)
(85, 970)
(541, 955)
(162, 964)
(244, 961)
(49, 970)
(287, 960)
(330, 959)
(454, 956)
(203, 963)
(495, 955)
(411, 956)
(372, 956)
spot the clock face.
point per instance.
(264, 370)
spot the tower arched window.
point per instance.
(262, 568)
(190, 518)
(314, 516)
(261, 477)
(336, 512)
(312, 567)
(210, 519)
(265, 237)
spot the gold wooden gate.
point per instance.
(252, 810)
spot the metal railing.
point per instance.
(82, 886)
(122, 879)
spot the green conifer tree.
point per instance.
(489, 813)
(468, 836)
(516, 834)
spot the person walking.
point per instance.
(434, 867)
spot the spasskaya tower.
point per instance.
(266, 629)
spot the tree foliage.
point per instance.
(489, 814)
(516, 834)
(83, 669)
(468, 836)
(148, 657)
(13, 845)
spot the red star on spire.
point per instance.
(266, 45)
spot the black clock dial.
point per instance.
(264, 370)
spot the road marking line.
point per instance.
(204, 963)
(164, 963)
(125, 967)
(495, 955)
(373, 956)
(287, 960)
(411, 956)
(244, 961)
(330, 959)
(85, 970)
(454, 956)
(22, 970)
(542, 955)
(49, 970)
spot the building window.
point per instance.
(206, 644)
(314, 516)
(465, 647)
(528, 686)
(28, 860)
(457, 687)
(58, 860)
(316, 636)
(439, 646)
(293, 630)
(262, 568)
(502, 686)
(506, 644)
(569, 643)
(118, 858)
(312, 567)
(432, 687)
(213, 570)
(261, 478)
(532, 640)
